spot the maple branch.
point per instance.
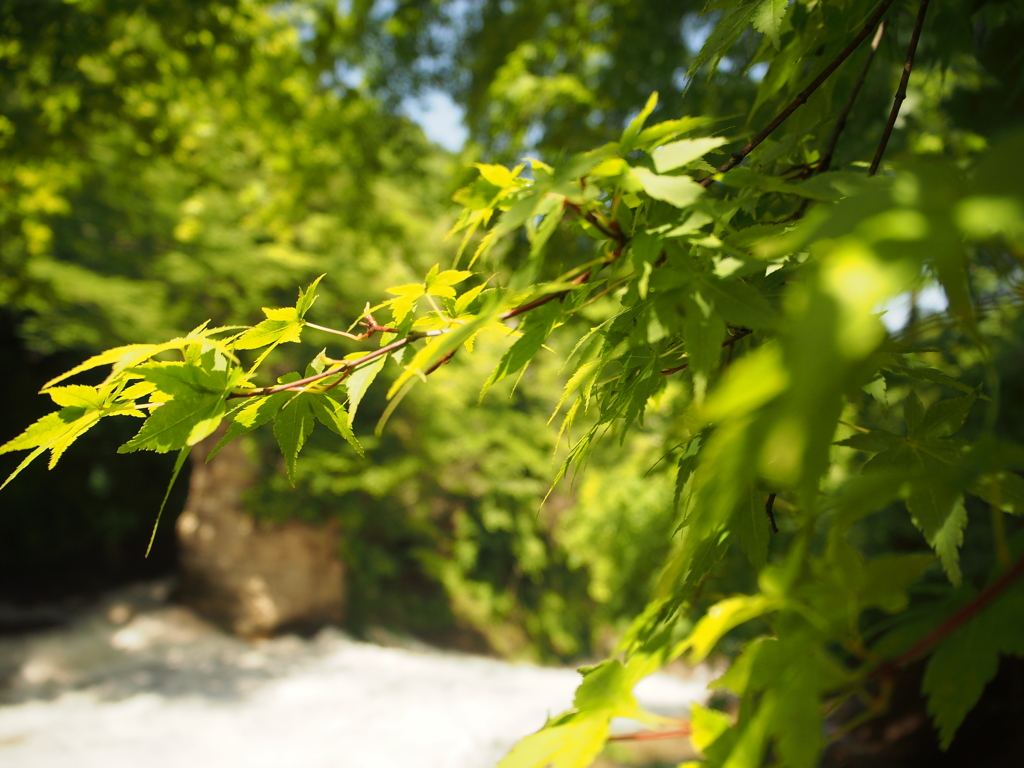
(612, 231)
(955, 621)
(802, 97)
(901, 92)
(347, 365)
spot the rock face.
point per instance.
(252, 577)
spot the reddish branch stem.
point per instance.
(954, 622)
(295, 385)
(901, 92)
(802, 97)
(678, 733)
(965, 614)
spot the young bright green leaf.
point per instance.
(681, 153)
(725, 33)
(707, 726)
(358, 382)
(307, 297)
(331, 413)
(574, 744)
(537, 327)
(281, 326)
(498, 175)
(254, 414)
(628, 140)
(407, 297)
(181, 422)
(293, 425)
(723, 616)
(57, 431)
(126, 356)
(440, 283)
(24, 463)
(654, 135)
(679, 191)
(768, 17)
(439, 346)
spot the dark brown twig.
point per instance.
(769, 509)
(901, 92)
(802, 97)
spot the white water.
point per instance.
(136, 682)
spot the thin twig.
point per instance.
(347, 365)
(826, 160)
(901, 92)
(801, 99)
(544, 299)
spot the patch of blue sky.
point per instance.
(440, 118)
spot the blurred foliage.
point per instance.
(173, 162)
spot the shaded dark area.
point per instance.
(85, 529)
(990, 737)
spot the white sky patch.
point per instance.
(930, 300)
(440, 118)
